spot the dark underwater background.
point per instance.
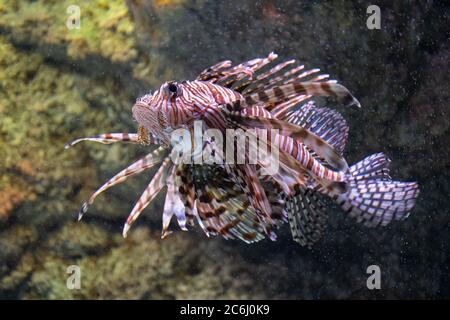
(58, 84)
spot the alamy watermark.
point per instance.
(374, 20)
(374, 280)
(74, 19)
(74, 278)
(238, 146)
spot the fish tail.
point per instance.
(372, 198)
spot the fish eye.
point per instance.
(173, 88)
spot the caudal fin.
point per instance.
(372, 197)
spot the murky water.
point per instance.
(70, 70)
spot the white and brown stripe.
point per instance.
(282, 93)
(107, 138)
(156, 184)
(139, 166)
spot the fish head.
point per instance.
(163, 111)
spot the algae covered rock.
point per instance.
(42, 108)
(13, 243)
(76, 240)
(142, 267)
(105, 27)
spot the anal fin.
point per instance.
(307, 217)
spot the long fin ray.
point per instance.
(310, 139)
(107, 138)
(156, 184)
(283, 92)
(143, 164)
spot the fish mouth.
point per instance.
(139, 105)
(139, 112)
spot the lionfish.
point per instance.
(236, 200)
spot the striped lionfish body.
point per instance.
(239, 200)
